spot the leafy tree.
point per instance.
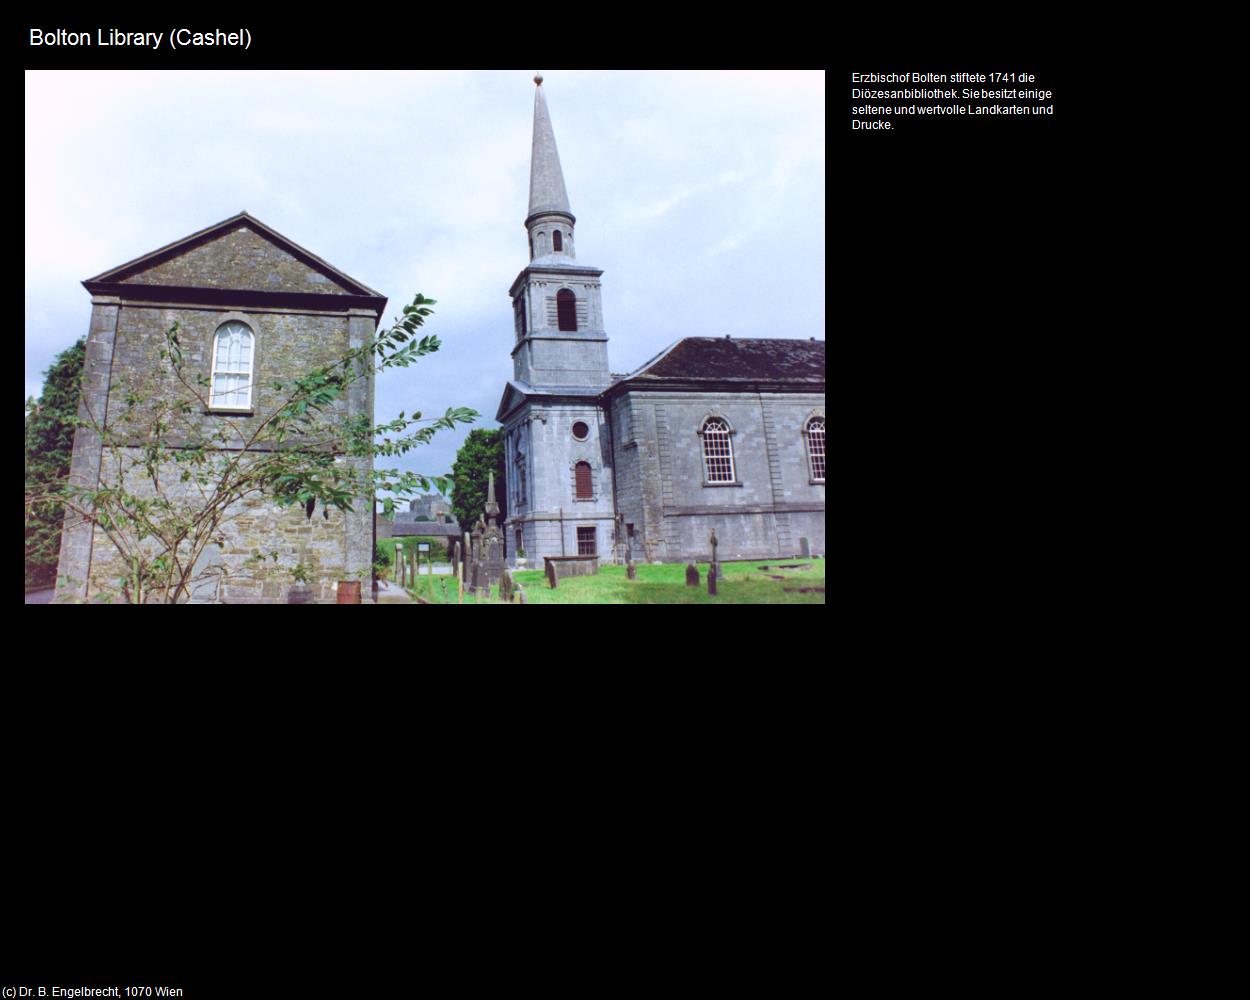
(49, 448)
(481, 454)
(175, 477)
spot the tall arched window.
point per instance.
(232, 367)
(566, 309)
(585, 488)
(557, 242)
(816, 448)
(718, 452)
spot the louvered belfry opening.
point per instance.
(585, 491)
(566, 310)
(557, 242)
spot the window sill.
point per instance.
(585, 499)
(222, 411)
(815, 482)
(714, 485)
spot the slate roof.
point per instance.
(431, 528)
(721, 359)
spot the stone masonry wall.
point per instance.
(240, 259)
(124, 347)
(287, 345)
(252, 532)
(756, 516)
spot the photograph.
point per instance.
(425, 337)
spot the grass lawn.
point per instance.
(387, 545)
(742, 583)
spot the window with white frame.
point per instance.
(232, 367)
(816, 448)
(718, 452)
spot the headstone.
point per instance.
(492, 538)
(711, 580)
(506, 586)
(551, 574)
(692, 575)
(805, 548)
(630, 572)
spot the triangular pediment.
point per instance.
(513, 396)
(242, 254)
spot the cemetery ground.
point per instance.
(753, 582)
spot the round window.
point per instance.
(581, 430)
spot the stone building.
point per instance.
(432, 505)
(252, 307)
(712, 434)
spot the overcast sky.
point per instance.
(700, 194)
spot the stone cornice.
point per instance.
(239, 298)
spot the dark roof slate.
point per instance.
(721, 359)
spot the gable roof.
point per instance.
(222, 259)
(796, 363)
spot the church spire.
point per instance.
(547, 193)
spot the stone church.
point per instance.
(252, 307)
(711, 434)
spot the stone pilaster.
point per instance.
(781, 518)
(77, 535)
(359, 555)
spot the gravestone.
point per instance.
(399, 562)
(692, 575)
(506, 588)
(805, 548)
(711, 580)
(713, 565)
(475, 570)
(631, 573)
(551, 574)
(492, 539)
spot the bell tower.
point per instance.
(556, 437)
(556, 303)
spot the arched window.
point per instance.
(566, 310)
(815, 435)
(718, 452)
(585, 488)
(232, 367)
(542, 244)
(557, 242)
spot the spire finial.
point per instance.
(547, 193)
(538, 77)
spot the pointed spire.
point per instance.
(547, 192)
